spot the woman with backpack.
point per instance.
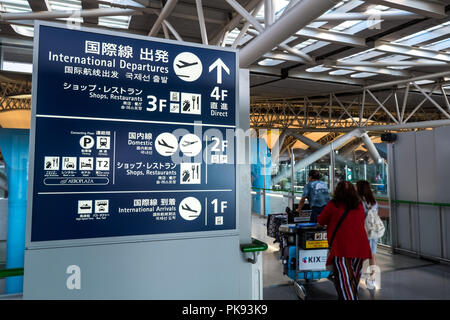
(373, 224)
(348, 244)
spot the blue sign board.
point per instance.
(132, 136)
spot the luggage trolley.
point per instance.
(305, 256)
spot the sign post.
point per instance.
(132, 142)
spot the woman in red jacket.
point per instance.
(350, 246)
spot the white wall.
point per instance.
(420, 172)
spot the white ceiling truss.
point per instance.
(400, 105)
(350, 43)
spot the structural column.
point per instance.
(14, 146)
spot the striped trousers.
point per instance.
(347, 273)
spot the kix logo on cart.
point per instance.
(312, 260)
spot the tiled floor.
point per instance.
(402, 277)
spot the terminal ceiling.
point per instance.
(351, 44)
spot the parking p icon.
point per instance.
(87, 142)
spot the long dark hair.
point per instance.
(365, 192)
(345, 194)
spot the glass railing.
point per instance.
(275, 197)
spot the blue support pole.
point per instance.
(14, 147)
(260, 155)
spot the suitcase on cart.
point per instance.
(305, 260)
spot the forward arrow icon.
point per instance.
(220, 65)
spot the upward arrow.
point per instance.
(219, 64)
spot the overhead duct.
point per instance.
(350, 147)
(313, 144)
(371, 148)
(324, 151)
(310, 143)
(276, 149)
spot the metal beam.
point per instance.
(305, 57)
(324, 151)
(276, 149)
(165, 12)
(429, 8)
(307, 75)
(384, 15)
(312, 144)
(67, 14)
(371, 148)
(297, 18)
(332, 36)
(431, 100)
(386, 63)
(289, 6)
(39, 5)
(411, 51)
(201, 21)
(244, 29)
(172, 30)
(279, 55)
(444, 94)
(268, 12)
(260, 29)
(385, 71)
(347, 150)
(168, 25)
(388, 127)
(86, 5)
(166, 31)
(233, 22)
(406, 81)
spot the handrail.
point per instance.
(5, 273)
(290, 191)
(255, 246)
(436, 204)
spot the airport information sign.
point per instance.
(132, 136)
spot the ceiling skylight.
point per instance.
(66, 5)
(320, 68)
(345, 25)
(341, 72)
(63, 5)
(121, 22)
(438, 45)
(269, 62)
(278, 8)
(231, 36)
(363, 75)
(17, 6)
(364, 55)
(305, 43)
(425, 35)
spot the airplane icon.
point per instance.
(187, 208)
(164, 144)
(185, 64)
(188, 143)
